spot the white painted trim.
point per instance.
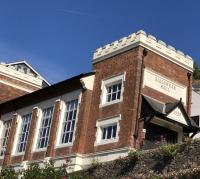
(88, 82)
(40, 118)
(108, 82)
(27, 64)
(141, 39)
(104, 123)
(24, 78)
(81, 161)
(164, 84)
(16, 86)
(68, 97)
(21, 112)
(16, 138)
(36, 134)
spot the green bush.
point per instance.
(34, 171)
(168, 150)
(8, 172)
(135, 154)
(188, 141)
(48, 172)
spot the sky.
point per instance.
(58, 37)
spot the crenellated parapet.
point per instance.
(147, 41)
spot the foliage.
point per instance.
(48, 171)
(135, 154)
(189, 141)
(8, 173)
(34, 171)
(95, 162)
(196, 74)
(168, 150)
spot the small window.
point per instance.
(112, 90)
(107, 131)
(44, 130)
(19, 68)
(23, 136)
(5, 135)
(69, 122)
(25, 70)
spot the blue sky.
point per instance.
(58, 37)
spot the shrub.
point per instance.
(95, 162)
(188, 141)
(48, 171)
(33, 171)
(168, 150)
(8, 173)
(135, 154)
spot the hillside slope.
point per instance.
(183, 162)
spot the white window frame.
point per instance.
(41, 127)
(67, 97)
(109, 82)
(3, 136)
(101, 124)
(65, 122)
(19, 132)
(21, 112)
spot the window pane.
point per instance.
(104, 133)
(114, 131)
(23, 136)
(45, 127)
(113, 92)
(119, 95)
(113, 96)
(109, 132)
(69, 122)
(5, 135)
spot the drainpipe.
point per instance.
(189, 93)
(145, 52)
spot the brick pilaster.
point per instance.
(27, 155)
(82, 123)
(54, 126)
(7, 156)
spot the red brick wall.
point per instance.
(17, 82)
(8, 92)
(8, 153)
(129, 63)
(168, 69)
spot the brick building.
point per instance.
(138, 95)
(17, 79)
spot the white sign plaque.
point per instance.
(164, 85)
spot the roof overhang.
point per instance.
(171, 112)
